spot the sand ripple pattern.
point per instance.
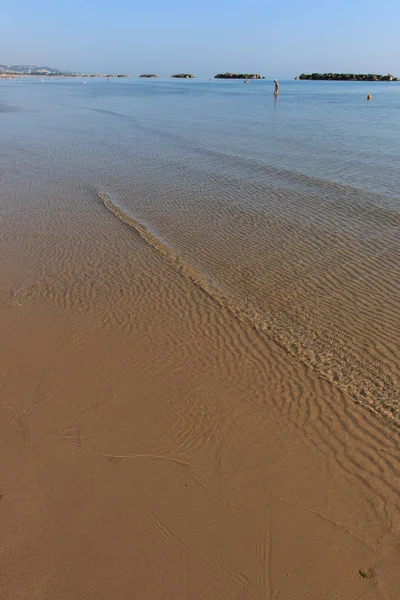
(326, 347)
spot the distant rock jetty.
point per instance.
(238, 76)
(149, 75)
(347, 77)
(183, 76)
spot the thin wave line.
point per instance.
(359, 377)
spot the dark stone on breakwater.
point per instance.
(183, 76)
(347, 77)
(238, 76)
(149, 75)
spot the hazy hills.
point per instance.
(28, 70)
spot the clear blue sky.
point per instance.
(281, 38)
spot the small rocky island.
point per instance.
(183, 76)
(149, 75)
(347, 77)
(238, 76)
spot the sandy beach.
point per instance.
(155, 446)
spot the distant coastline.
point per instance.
(347, 77)
(10, 71)
(27, 70)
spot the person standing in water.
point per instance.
(276, 91)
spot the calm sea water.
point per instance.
(323, 129)
(288, 207)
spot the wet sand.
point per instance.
(155, 446)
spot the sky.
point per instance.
(276, 39)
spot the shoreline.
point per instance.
(156, 442)
(169, 445)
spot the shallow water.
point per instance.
(163, 282)
(286, 211)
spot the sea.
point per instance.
(285, 210)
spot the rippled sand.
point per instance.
(311, 264)
(157, 443)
